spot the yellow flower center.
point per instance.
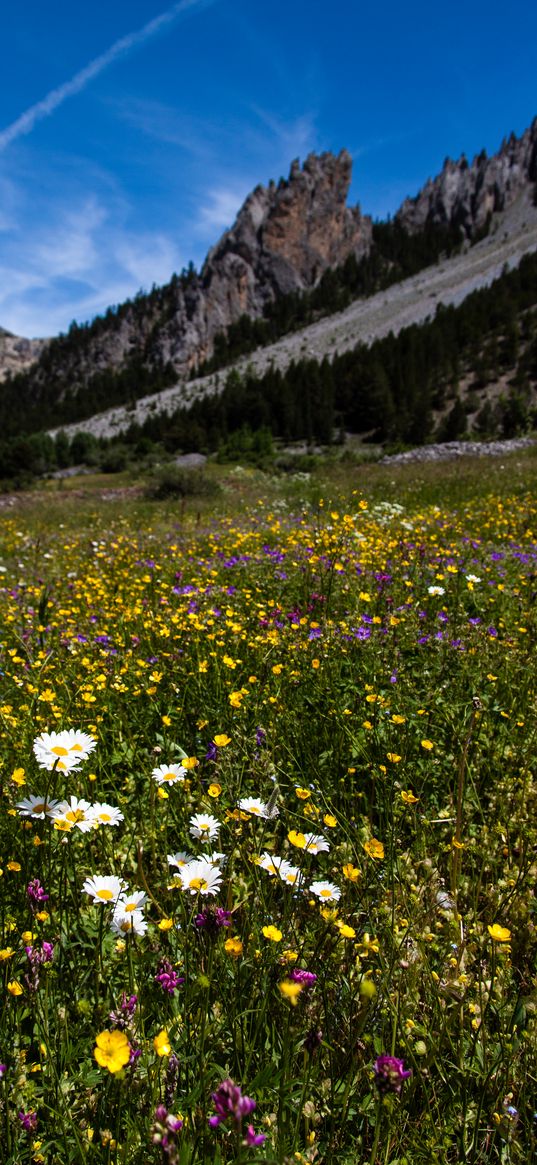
(75, 815)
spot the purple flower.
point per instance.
(230, 1104)
(390, 1073)
(122, 1017)
(306, 978)
(313, 1040)
(164, 1132)
(252, 1138)
(168, 978)
(36, 892)
(3, 1070)
(212, 918)
(28, 1121)
(212, 751)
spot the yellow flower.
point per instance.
(393, 757)
(303, 794)
(112, 1050)
(499, 934)
(346, 931)
(166, 721)
(6, 953)
(214, 790)
(272, 933)
(330, 820)
(235, 699)
(398, 719)
(233, 946)
(352, 873)
(165, 924)
(408, 797)
(190, 762)
(297, 839)
(161, 1043)
(290, 990)
(276, 671)
(221, 740)
(14, 987)
(15, 866)
(427, 745)
(18, 777)
(374, 849)
(316, 663)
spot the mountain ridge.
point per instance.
(285, 239)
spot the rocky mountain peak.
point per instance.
(465, 194)
(286, 235)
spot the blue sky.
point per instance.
(130, 132)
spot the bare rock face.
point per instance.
(283, 239)
(465, 195)
(16, 353)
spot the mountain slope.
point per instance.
(513, 234)
(291, 243)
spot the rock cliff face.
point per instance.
(16, 353)
(283, 239)
(466, 194)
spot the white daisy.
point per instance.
(75, 813)
(291, 875)
(315, 844)
(104, 888)
(63, 750)
(326, 891)
(254, 806)
(129, 902)
(180, 859)
(107, 814)
(204, 826)
(201, 877)
(38, 807)
(216, 858)
(169, 774)
(436, 590)
(274, 865)
(133, 923)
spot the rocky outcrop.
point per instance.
(284, 238)
(466, 194)
(16, 353)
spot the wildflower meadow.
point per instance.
(268, 823)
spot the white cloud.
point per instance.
(56, 97)
(221, 208)
(77, 262)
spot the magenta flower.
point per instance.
(168, 979)
(230, 1103)
(390, 1073)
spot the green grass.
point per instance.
(355, 648)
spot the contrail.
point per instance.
(25, 123)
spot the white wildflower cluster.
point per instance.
(127, 917)
(64, 752)
(290, 875)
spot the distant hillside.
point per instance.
(296, 252)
